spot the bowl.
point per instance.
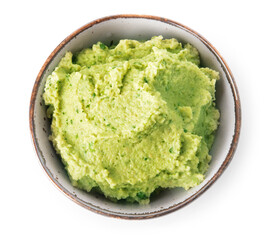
(139, 27)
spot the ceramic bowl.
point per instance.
(140, 28)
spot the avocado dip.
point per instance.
(133, 117)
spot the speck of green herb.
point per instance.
(77, 110)
(185, 130)
(146, 158)
(141, 195)
(81, 120)
(133, 126)
(113, 128)
(77, 136)
(171, 150)
(108, 125)
(94, 94)
(63, 113)
(70, 85)
(74, 59)
(88, 105)
(145, 80)
(102, 46)
(71, 121)
(91, 144)
(170, 121)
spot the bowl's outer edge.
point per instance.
(208, 184)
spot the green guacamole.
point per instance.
(132, 118)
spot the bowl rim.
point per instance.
(210, 182)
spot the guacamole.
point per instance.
(131, 118)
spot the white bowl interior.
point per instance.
(135, 28)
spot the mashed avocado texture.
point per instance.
(132, 118)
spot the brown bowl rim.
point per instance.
(175, 207)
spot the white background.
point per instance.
(237, 206)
